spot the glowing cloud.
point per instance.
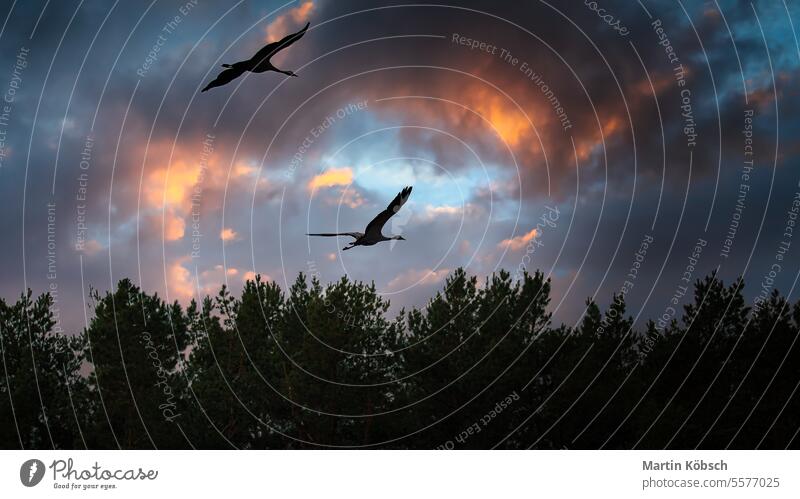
(228, 234)
(179, 279)
(415, 277)
(242, 169)
(506, 119)
(171, 185)
(174, 226)
(91, 247)
(519, 242)
(351, 198)
(288, 22)
(331, 178)
(251, 276)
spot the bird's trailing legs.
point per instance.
(372, 234)
(287, 73)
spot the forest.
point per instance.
(480, 366)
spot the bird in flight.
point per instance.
(258, 63)
(373, 233)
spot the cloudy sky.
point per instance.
(565, 138)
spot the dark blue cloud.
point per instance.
(93, 73)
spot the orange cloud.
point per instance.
(228, 234)
(179, 279)
(251, 276)
(91, 247)
(242, 169)
(657, 83)
(594, 142)
(519, 242)
(611, 125)
(171, 185)
(506, 119)
(415, 277)
(174, 226)
(332, 177)
(351, 198)
(288, 22)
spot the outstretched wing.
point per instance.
(377, 223)
(271, 48)
(355, 235)
(225, 77)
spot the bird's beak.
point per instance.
(402, 238)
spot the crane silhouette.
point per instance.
(259, 63)
(373, 234)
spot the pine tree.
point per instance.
(41, 389)
(136, 344)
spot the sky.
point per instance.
(616, 146)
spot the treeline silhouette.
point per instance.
(480, 366)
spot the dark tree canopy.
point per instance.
(480, 366)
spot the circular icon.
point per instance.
(31, 472)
